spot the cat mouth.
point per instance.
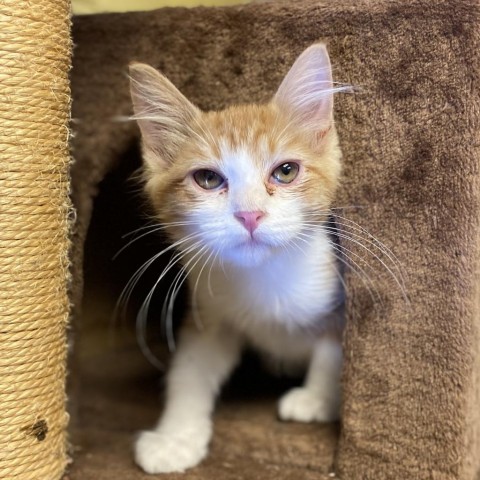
(253, 242)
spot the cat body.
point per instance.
(244, 195)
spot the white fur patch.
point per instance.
(172, 451)
(305, 405)
(276, 304)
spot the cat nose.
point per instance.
(249, 220)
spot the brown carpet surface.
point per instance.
(120, 394)
(411, 140)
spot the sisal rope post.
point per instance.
(35, 59)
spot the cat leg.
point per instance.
(200, 365)
(318, 400)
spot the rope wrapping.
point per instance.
(35, 212)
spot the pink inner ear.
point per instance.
(322, 133)
(307, 89)
(162, 112)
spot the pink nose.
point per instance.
(249, 220)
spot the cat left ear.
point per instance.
(162, 112)
(307, 90)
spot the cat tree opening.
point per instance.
(120, 391)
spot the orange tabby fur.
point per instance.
(265, 131)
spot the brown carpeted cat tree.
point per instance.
(410, 136)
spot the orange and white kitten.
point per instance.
(244, 193)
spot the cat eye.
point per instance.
(286, 172)
(208, 179)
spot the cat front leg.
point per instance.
(202, 362)
(318, 400)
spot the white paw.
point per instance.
(303, 405)
(158, 452)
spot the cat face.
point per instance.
(240, 183)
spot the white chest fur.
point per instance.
(275, 305)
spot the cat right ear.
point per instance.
(162, 112)
(307, 91)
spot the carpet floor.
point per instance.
(115, 392)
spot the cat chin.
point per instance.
(247, 255)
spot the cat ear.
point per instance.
(307, 90)
(162, 113)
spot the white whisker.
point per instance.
(360, 272)
(142, 315)
(129, 287)
(352, 264)
(362, 238)
(167, 312)
(389, 270)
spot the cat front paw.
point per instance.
(304, 405)
(162, 452)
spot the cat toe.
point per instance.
(303, 405)
(156, 452)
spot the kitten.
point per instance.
(245, 192)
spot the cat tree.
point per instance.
(410, 139)
(35, 59)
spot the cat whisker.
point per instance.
(157, 229)
(146, 350)
(333, 227)
(346, 260)
(166, 320)
(347, 207)
(221, 261)
(340, 276)
(175, 259)
(374, 255)
(302, 250)
(139, 272)
(212, 263)
(197, 319)
(132, 282)
(174, 289)
(126, 293)
(330, 210)
(358, 227)
(144, 227)
(381, 247)
(360, 272)
(142, 314)
(209, 279)
(152, 229)
(399, 282)
(354, 225)
(375, 243)
(155, 225)
(207, 133)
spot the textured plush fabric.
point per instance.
(410, 137)
(119, 396)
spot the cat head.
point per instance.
(242, 182)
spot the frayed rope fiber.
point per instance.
(35, 59)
